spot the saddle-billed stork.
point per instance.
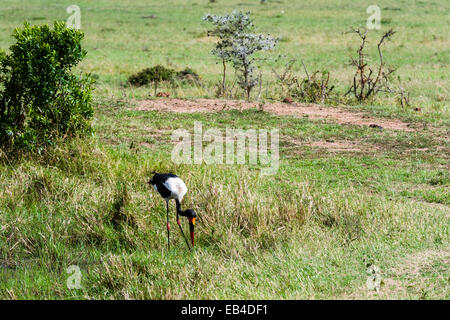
(170, 186)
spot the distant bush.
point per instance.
(40, 99)
(157, 74)
(153, 75)
(187, 75)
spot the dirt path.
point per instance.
(312, 111)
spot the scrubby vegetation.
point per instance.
(188, 75)
(368, 81)
(152, 75)
(314, 88)
(158, 74)
(40, 98)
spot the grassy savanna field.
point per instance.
(345, 196)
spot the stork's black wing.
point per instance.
(158, 181)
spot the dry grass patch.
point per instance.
(412, 277)
(296, 146)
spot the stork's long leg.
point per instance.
(168, 226)
(179, 224)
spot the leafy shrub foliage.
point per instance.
(40, 99)
(225, 27)
(2, 55)
(153, 75)
(157, 74)
(188, 75)
(238, 43)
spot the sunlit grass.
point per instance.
(308, 232)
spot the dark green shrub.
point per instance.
(40, 99)
(153, 75)
(187, 75)
(2, 74)
(141, 78)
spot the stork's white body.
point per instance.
(170, 186)
(176, 187)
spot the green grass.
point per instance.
(307, 233)
(121, 42)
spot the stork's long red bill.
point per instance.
(191, 226)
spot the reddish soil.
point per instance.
(312, 111)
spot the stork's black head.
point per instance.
(151, 179)
(189, 213)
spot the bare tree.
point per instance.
(369, 80)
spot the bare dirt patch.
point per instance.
(312, 111)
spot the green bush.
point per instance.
(153, 75)
(188, 75)
(157, 74)
(40, 99)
